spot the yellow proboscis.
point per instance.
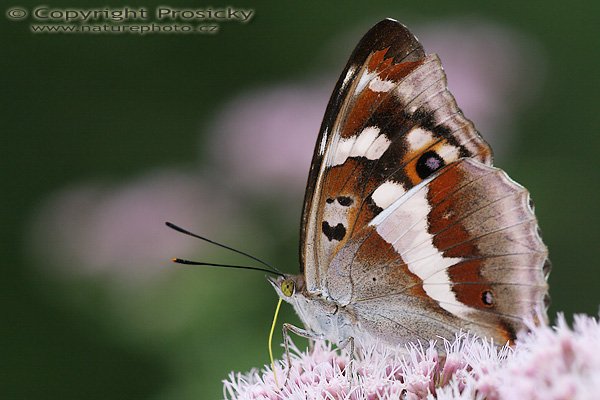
(271, 341)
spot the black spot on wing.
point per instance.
(345, 201)
(487, 298)
(333, 233)
(428, 163)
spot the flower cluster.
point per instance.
(546, 363)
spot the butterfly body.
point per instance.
(408, 231)
(324, 316)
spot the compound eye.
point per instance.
(287, 287)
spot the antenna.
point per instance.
(270, 269)
(188, 262)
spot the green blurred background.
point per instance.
(103, 110)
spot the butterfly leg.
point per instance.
(300, 332)
(342, 345)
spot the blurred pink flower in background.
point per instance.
(493, 71)
(109, 229)
(550, 363)
(264, 139)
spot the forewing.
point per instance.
(390, 124)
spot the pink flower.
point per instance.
(547, 363)
(263, 140)
(554, 363)
(118, 230)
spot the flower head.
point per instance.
(547, 363)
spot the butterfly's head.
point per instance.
(287, 286)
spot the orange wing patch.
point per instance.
(365, 101)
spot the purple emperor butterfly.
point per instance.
(408, 231)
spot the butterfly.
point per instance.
(408, 232)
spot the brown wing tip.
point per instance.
(391, 34)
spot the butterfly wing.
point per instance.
(390, 123)
(459, 250)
